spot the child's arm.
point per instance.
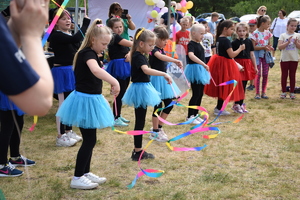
(126, 43)
(266, 48)
(252, 57)
(103, 75)
(197, 60)
(232, 53)
(154, 72)
(167, 58)
(282, 45)
(297, 43)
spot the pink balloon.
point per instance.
(183, 3)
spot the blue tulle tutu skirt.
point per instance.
(141, 94)
(119, 69)
(6, 104)
(64, 79)
(196, 73)
(87, 111)
(165, 89)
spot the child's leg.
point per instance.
(257, 77)
(197, 90)
(16, 136)
(65, 128)
(6, 129)
(292, 74)
(140, 117)
(123, 86)
(155, 120)
(60, 129)
(265, 73)
(242, 100)
(219, 104)
(84, 155)
(284, 74)
(165, 112)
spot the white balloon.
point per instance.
(155, 1)
(164, 10)
(160, 4)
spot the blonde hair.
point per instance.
(185, 19)
(196, 28)
(260, 7)
(243, 25)
(96, 29)
(141, 35)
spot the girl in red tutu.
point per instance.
(223, 68)
(246, 59)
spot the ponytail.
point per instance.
(141, 35)
(96, 29)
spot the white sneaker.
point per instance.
(216, 112)
(161, 130)
(83, 183)
(237, 108)
(274, 58)
(94, 178)
(198, 120)
(72, 134)
(161, 137)
(65, 141)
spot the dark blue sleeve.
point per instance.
(16, 75)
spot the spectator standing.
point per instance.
(277, 28)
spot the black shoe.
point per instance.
(136, 155)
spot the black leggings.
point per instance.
(9, 134)
(123, 86)
(140, 117)
(167, 110)
(197, 90)
(84, 156)
(64, 128)
(242, 100)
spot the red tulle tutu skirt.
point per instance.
(249, 71)
(222, 70)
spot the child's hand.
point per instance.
(206, 67)
(242, 47)
(290, 39)
(179, 63)
(115, 90)
(127, 57)
(168, 78)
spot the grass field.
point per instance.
(257, 158)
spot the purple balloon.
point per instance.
(157, 9)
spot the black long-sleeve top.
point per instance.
(65, 46)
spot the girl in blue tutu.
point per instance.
(65, 45)
(141, 92)
(119, 67)
(159, 61)
(86, 107)
(196, 72)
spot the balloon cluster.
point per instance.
(159, 8)
(183, 6)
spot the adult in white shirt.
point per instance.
(278, 27)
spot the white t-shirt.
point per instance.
(207, 41)
(290, 53)
(280, 26)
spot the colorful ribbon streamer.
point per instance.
(50, 28)
(35, 120)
